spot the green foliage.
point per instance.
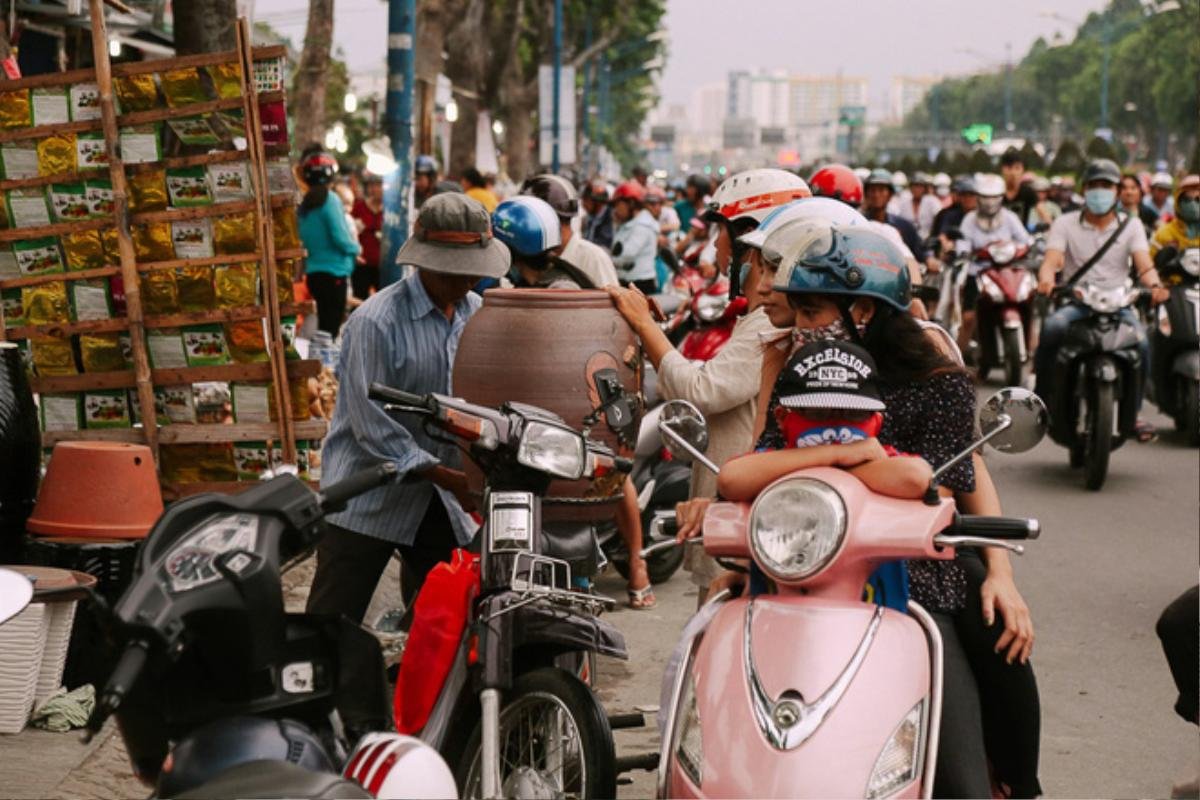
(960, 163)
(980, 161)
(1033, 159)
(1100, 148)
(1068, 160)
(1194, 163)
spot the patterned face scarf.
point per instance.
(834, 330)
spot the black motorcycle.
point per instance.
(1175, 339)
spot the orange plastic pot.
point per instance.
(98, 490)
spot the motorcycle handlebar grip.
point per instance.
(337, 495)
(623, 464)
(124, 675)
(995, 527)
(386, 394)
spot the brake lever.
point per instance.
(976, 541)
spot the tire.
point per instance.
(661, 565)
(1098, 444)
(1014, 368)
(1189, 422)
(589, 770)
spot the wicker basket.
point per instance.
(22, 645)
(60, 619)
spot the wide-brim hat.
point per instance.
(453, 235)
(833, 375)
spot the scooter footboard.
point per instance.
(800, 697)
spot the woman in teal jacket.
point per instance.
(331, 247)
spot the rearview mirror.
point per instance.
(1027, 415)
(684, 431)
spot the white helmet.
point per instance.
(1161, 180)
(941, 184)
(899, 180)
(825, 208)
(990, 189)
(753, 193)
(398, 767)
(861, 173)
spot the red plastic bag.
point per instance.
(439, 618)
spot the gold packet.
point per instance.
(194, 463)
(227, 79)
(56, 154)
(148, 190)
(298, 396)
(182, 87)
(46, 304)
(152, 242)
(16, 110)
(112, 245)
(195, 288)
(101, 352)
(53, 355)
(236, 285)
(160, 294)
(285, 276)
(136, 92)
(234, 234)
(85, 250)
(246, 342)
(285, 228)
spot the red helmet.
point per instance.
(629, 190)
(839, 182)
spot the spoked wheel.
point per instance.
(1013, 366)
(555, 742)
(1098, 443)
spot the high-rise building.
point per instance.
(906, 93)
(818, 99)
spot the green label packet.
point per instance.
(251, 402)
(165, 347)
(140, 145)
(70, 202)
(85, 101)
(50, 106)
(13, 308)
(251, 459)
(178, 404)
(106, 409)
(194, 131)
(204, 346)
(188, 186)
(61, 412)
(90, 300)
(38, 256)
(90, 151)
(99, 197)
(308, 459)
(19, 161)
(27, 208)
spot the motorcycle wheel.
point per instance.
(554, 742)
(661, 565)
(1098, 444)
(1189, 420)
(1013, 367)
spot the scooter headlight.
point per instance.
(710, 307)
(899, 762)
(796, 527)
(1002, 252)
(689, 743)
(553, 450)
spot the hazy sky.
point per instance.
(707, 38)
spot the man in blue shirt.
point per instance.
(404, 336)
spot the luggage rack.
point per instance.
(537, 578)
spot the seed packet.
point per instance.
(298, 395)
(83, 250)
(106, 409)
(148, 190)
(247, 344)
(212, 399)
(15, 109)
(308, 459)
(38, 256)
(46, 303)
(27, 208)
(205, 346)
(287, 331)
(85, 102)
(100, 197)
(280, 178)
(227, 79)
(251, 402)
(233, 126)
(61, 412)
(194, 131)
(192, 238)
(112, 255)
(165, 347)
(102, 352)
(285, 272)
(53, 355)
(69, 202)
(252, 459)
(20, 160)
(285, 228)
(56, 154)
(160, 294)
(273, 120)
(90, 300)
(188, 186)
(8, 263)
(12, 307)
(234, 234)
(140, 145)
(195, 288)
(50, 106)
(178, 405)
(229, 182)
(268, 75)
(152, 242)
(182, 87)
(135, 93)
(194, 463)
(236, 285)
(91, 151)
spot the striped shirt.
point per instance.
(400, 339)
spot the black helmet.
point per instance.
(880, 177)
(698, 181)
(425, 165)
(555, 190)
(1101, 169)
(319, 168)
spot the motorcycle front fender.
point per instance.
(1187, 364)
(1012, 318)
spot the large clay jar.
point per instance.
(541, 347)
(20, 452)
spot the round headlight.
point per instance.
(796, 527)
(711, 306)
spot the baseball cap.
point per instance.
(453, 235)
(830, 374)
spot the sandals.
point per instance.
(1146, 432)
(642, 599)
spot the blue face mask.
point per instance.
(743, 275)
(1100, 201)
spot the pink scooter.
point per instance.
(812, 692)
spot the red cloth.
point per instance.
(368, 237)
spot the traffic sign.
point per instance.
(979, 133)
(852, 116)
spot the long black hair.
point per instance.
(314, 198)
(902, 350)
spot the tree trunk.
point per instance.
(467, 72)
(518, 137)
(205, 26)
(312, 73)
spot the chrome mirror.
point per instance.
(1026, 415)
(684, 431)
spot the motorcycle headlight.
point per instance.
(899, 762)
(689, 742)
(710, 307)
(1002, 252)
(796, 527)
(551, 449)
(991, 289)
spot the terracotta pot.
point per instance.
(21, 444)
(98, 490)
(541, 347)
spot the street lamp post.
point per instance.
(558, 32)
(402, 22)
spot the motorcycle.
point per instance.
(676, 301)
(714, 314)
(812, 691)
(1174, 339)
(507, 716)
(1005, 309)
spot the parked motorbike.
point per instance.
(811, 691)
(508, 719)
(1174, 339)
(1004, 310)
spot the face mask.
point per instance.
(800, 431)
(1100, 201)
(743, 275)
(1189, 210)
(834, 330)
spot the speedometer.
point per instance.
(191, 562)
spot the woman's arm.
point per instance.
(744, 477)
(905, 477)
(339, 231)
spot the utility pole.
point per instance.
(1008, 123)
(588, 69)
(558, 25)
(402, 23)
(1107, 43)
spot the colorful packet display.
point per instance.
(188, 186)
(102, 352)
(50, 106)
(165, 347)
(178, 404)
(195, 463)
(16, 111)
(53, 355)
(298, 395)
(38, 256)
(226, 79)
(148, 190)
(204, 346)
(287, 332)
(56, 154)
(140, 145)
(84, 250)
(160, 293)
(46, 303)
(247, 344)
(91, 299)
(194, 131)
(91, 152)
(85, 102)
(195, 288)
(112, 255)
(236, 285)
(19, 161)
(135, 93)
(69, 202)
(212, 397)
(273, 120)
(285, 228)
(126, 343)
(233, 126)
(12, 307)
(8, 263)
(27, 208)
(61, 412)
(285, 276)
(308, 459)
(251, 402)
(229, 182)
(152, 242)
(106, 409)
(192, 238)
(280, 177)
(234, 234)
(268, 75)
(100, 198)
(182, 87)
(251, 459)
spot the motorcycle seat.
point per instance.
(275, 779)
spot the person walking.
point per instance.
(331, 245)
(368, 211)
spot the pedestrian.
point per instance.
(425, 178)
(695, 194)
(475, 186)
(330, 245)
(598, 227)
(635, 243)
(368, 211)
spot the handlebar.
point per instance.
(387, 394)
(336, 496)
(122, 679)
(994, 527)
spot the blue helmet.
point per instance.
(528, 225)
(425, 165)
(819, 257)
